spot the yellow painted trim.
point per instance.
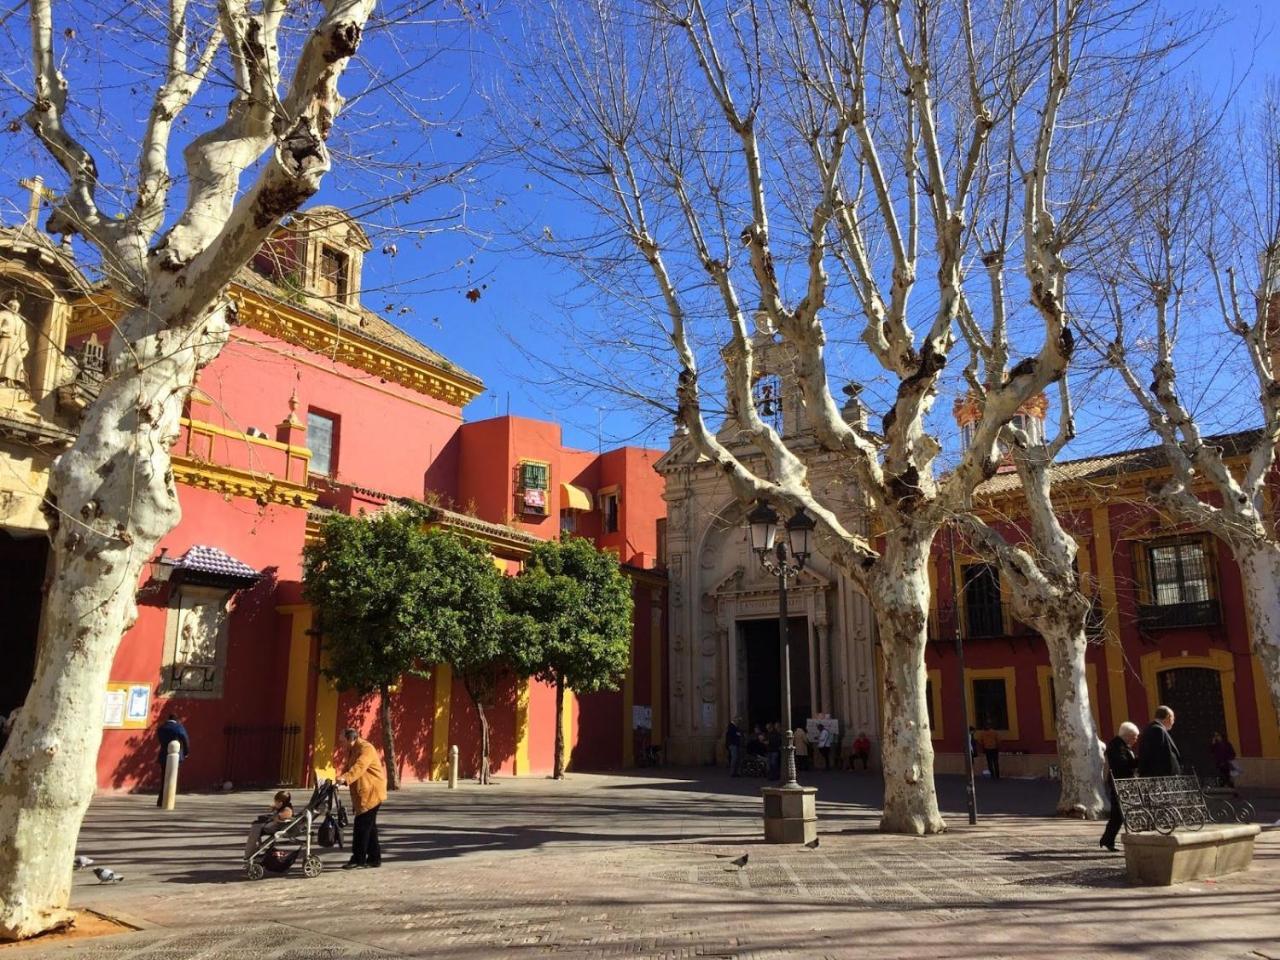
(233, 482)
(278, 319)
(1154, 664)
(326, 732)
(443, 702)
(1048, 713)
(1268, 728)
(203, 426)
(1009, 676)
(436, 406)
(1112, 653)
(521, 765)
(935, 697)
(566, 725)
(655, 666)
(298, 684)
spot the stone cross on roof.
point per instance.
(39, 193)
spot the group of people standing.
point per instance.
(764, 747)
(1153, 753)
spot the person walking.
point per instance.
(1158, 755)
(169, 731)
(801, 740)
(363, 773)
(1121, 765)
(989, 740)
(774, 737)
(1224, 755)
(733, 747)
(824, 746)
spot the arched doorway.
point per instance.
(1195, 694)
(22, 565)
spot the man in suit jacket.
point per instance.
(1157, 753)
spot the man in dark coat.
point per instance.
(1121, 764)
(172, 729)
(1157, 753)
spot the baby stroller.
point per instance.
(277, 851)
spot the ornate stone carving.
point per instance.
(15, 345)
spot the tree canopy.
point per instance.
(573, 605)
(370, 582)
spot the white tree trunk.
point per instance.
(1080, 751)
(115, 496)
(901, 602)
(1260, 573)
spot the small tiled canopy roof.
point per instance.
(212, 562)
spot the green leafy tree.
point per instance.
(570, 617)
(463, 619)
(368, 580)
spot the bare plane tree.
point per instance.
(113, 490)
(1211, 221)
(739, 152)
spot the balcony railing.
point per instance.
(990, 621)
(1163, 616)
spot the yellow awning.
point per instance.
(574, 498)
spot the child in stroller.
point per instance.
(277, 838)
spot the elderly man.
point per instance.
(1157, 753)
(1122, 764)
(363, 773)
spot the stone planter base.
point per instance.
(790, 814)
(1156, 860)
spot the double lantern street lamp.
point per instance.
(784, 557)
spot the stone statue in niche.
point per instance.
(14, 344)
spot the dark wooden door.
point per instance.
(1195, 694)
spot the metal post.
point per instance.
(453, 767)
(784, 638)
(172, 759)
(971, 795)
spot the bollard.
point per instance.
(171, 760)
(453, 767)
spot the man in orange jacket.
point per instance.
(363, 773)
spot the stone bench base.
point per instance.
(1156, 860)
(790, 816)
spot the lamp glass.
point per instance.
(798, 529)
(762, 522)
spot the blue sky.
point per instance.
(523, 300)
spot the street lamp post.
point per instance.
(790, 815)
(971, 796)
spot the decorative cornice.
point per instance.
(231, 482)
(278, 319)
(338, 343)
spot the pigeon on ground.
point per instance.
(106, 875)
(81, 861)
(812, 844)
(741, 861)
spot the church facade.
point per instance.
(724, 607)
(316, 404)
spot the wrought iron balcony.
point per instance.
(1164, 616)
(990, 621)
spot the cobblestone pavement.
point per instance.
(599, 867)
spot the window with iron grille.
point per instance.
(534, 476)
(1179, 572)
(983, 612)
(991, 703)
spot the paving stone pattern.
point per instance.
(604, 867)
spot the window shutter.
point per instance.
(1141, 571)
